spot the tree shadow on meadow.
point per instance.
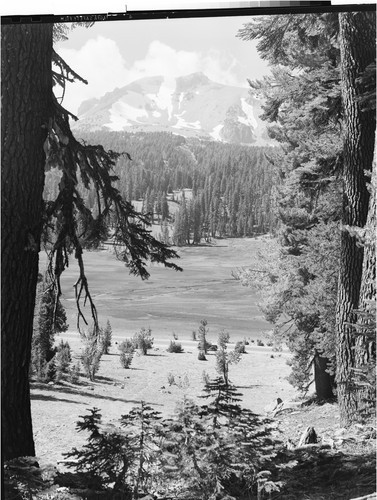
(50, 397)
(77, 392)
(325, 474)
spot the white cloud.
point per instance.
(101, 63)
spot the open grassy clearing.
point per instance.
(168, 302)
(171, 301)
(56, 408)
(176, 302)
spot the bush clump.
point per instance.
(143, 340)
(175, 347)
(202, 356)
(126, 359)
(127, 350)
(92, 352)
(127, 346)
(223, 339)
(74, 373)
(63, 359)
(240, 347)
(106, 335)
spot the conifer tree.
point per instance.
(304, 110)
(106, 336)
(26, 87)
(202, 335)
(48, 143)
(358, 51)
(140, 425)
(51, 319)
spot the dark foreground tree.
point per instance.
(36, 136)
(357, 44)
(302, 105)
(26, 94)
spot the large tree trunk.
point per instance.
(365, 350)
(357, 44)
(26, 88)
(324, 382)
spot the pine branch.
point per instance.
(95, 166)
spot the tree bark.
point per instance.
(26, 53)
(324, 382)
(357, 47)
(365, 349)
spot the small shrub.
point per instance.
(143, 340)
(74, 373)
(127, 350)
(127, 346)
(106, 335)
(175, 347)
(58, 376)
(202, 333)
(186, 382)
(240, 347)
(126, 359)
(63, 357)
(50, 370)
(223, 339)
(202, 356)
(92, 352)
(205, 377)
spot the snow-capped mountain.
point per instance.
(191, 105)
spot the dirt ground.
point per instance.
(260, 376)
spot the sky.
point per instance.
(113, 54)
(110, 55)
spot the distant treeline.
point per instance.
(231, 184)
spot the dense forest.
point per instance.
(229, 186)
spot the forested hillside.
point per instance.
(230, 185)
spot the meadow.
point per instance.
(169, 302)
(342, 464)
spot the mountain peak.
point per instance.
(190, 105)
(194, 79)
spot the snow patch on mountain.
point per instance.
(249, 112)
(216, 132)
(182, 124)
(180, 99)
(163, 99)
(192, 104)
(121, 113)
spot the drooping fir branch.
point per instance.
(73, 225)
(65, 74)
